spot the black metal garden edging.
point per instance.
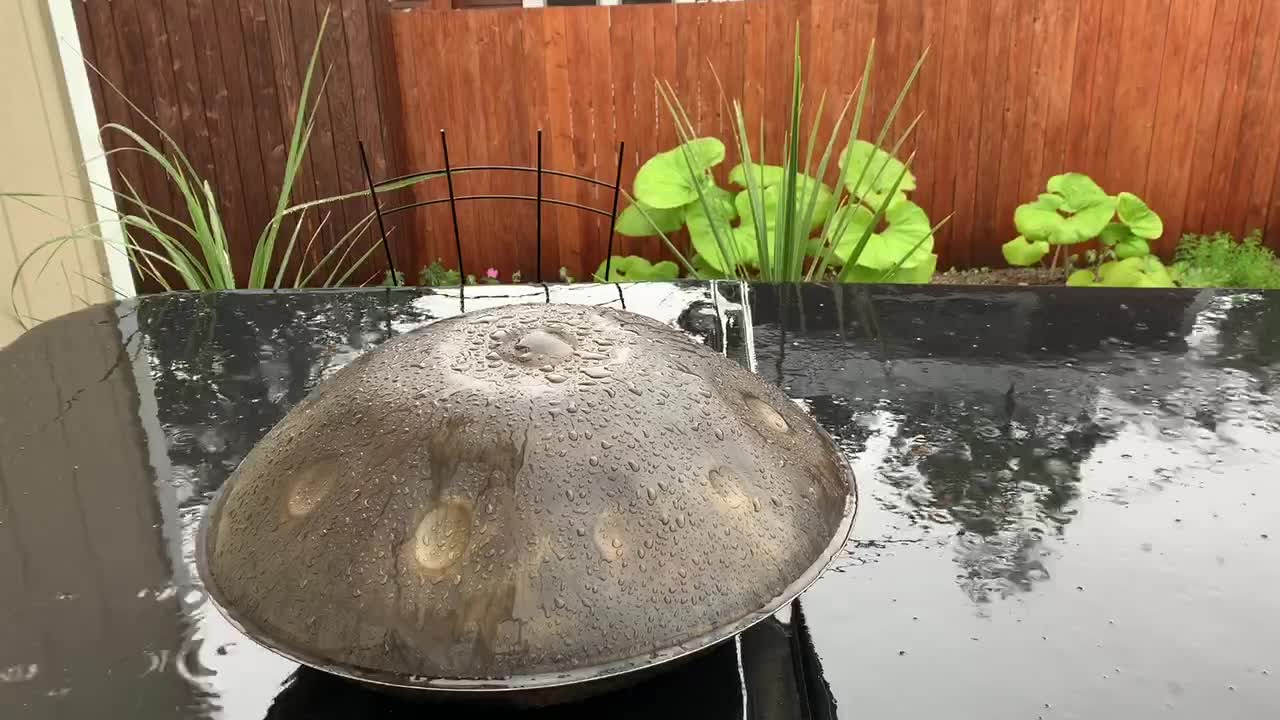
(453, 199)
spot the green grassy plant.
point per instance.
(193, 245)
(1220, 260)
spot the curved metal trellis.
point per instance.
(448, 171)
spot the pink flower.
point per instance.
(491, 273)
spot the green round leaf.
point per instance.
(1114, 234)
(1023, 253)
(1146, 271)
(1086, 224)
(1037, 222)
(1132, 248)
(918, 274)
(1142, 220)
(1077, 191)
(1082, 278)
(722, 247)
(704, 269)
(670, 179)
(772, 196)
(881, 171)
(766, 175)
(636, 269)
(907, 235)
(639, 220)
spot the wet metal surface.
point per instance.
(1070, 501)
(525, 498)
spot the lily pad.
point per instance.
(1137, 272)
(1023, 252)
(1132, 248)
(1078, 191)
(640, 220)
(881, 171)
(1114, 234)
(636, 269)
(739, 245)
(670, 179)
(906, 235)
(1141, 220)
(1040, 221)
(772, 197)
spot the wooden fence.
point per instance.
(223, 78)
(1176, 100)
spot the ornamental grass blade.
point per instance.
(301, 136)
(687, 133)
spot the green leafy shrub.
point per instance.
(1220, 261)
(781, 222)
(437, 275)
(1075, 209)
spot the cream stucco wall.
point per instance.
(40, 152)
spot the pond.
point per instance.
(1069, 504)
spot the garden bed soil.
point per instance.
(1002, 276)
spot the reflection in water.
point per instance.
(990, 453)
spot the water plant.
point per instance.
(783, 223)
(1074, 210)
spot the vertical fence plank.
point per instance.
(1009, 183)
(1256, 146)
(624, 60)
(1039, 88)
(1145, 26)
(227, 32)
(1228, 150)
(985, 186)
(754, 100)
(136, 86)
(1066, 21)
(288, 82)
(229, 175)
(536, 66)
(928, 92)
(597, 79)
(560, 139)
(1181, 79)
(968, 119)
(1212, 101)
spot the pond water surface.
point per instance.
(1069, 501)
